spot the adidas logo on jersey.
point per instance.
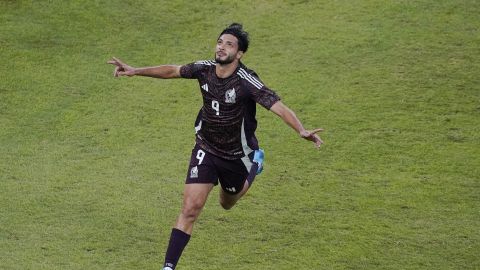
(205, 87)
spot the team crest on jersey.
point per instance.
(194, 172)
(230, 96)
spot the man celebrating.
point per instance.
(226, 149)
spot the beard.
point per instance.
(226, 61)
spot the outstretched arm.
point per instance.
(291, 119)
(163, 71)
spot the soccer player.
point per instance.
(226, 149)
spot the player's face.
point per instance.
(226, 51)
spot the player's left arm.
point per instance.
(292, 120)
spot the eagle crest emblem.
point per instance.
(230, 96)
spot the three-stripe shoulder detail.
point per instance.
(251, 79)
(206, 62)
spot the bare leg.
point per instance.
(194, 198)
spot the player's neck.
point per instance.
(224, 71)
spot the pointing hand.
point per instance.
(121, 69)
(312, 136)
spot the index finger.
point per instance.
(115, 61)
(316, 130)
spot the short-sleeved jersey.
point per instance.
(226, 124)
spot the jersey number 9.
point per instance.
(216, 107)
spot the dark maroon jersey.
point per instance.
(226, 124)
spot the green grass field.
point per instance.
(92, 167)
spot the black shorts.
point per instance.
(207, 168)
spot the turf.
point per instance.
(92, 167)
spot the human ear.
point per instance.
(239, 54)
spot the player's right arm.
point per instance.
(162, 72)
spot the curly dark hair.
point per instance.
(236, 30)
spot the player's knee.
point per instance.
(190, 215)
(191, 211)
(227, 204)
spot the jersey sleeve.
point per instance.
(259, 92)
(192, 70)
(265, 97)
